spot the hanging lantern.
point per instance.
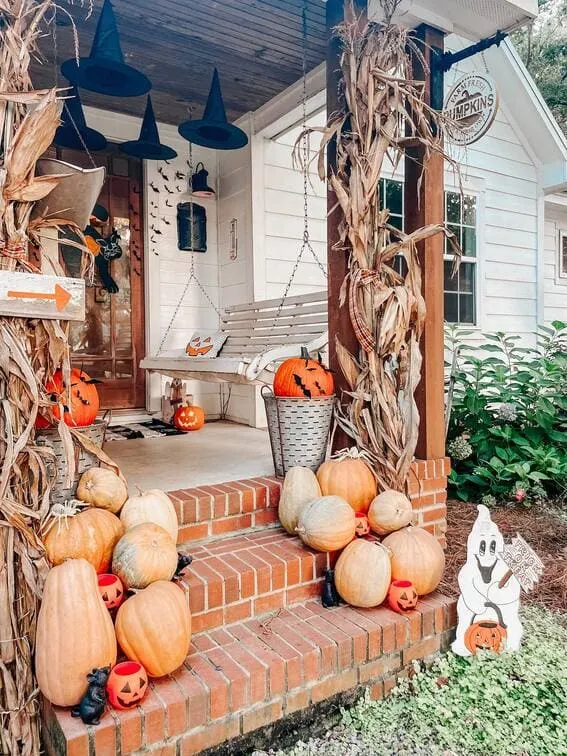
(191, 227)
(199, 183)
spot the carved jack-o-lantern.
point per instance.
(111, 590)
(487, 635)
(189, 418)
(198, 346)
(362, 527)
(80, 403)
(402, 596)
(127, 685)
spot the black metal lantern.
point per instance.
(191, 227)
(199, 184)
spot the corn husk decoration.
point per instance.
(30, 352)
(383, 110)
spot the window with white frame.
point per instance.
(562, 254)
(461, 288)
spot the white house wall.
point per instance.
(555, 286)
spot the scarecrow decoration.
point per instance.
(490, 582)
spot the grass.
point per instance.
(508, 705)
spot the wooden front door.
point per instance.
(110, 343)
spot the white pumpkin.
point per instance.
(327, 524)
(363, 573)
(300, 487)
(150, 506)
(389, 511)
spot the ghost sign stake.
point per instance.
(490, 582)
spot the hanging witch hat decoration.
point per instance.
(214, 130)
(148, 146)
(104, 71)
(74, 132)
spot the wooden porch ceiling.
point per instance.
(255, 44)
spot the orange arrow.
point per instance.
(60, 295)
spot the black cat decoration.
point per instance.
(92, 705)
(183, 561)
(329, 593)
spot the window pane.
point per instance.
(451, 282)
(466, 308)
(396, 221)
(457, 231)
(394, 196)
(451, 308)
(382, 189)
(469, 210)
(468, 244)
(563, 271)
(466, 277)
(453, 207)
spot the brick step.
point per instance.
(211, 511)
(252, 673)
(234, 579)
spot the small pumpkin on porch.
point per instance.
(402, 596)
(80, 403)
(327, 524)
(153, 627)
(299, 488)
(303, 377)
(111, 590)
(347, 475)
(143, 555)
(417, 556)
(127, 685)
(102, 488)
(189, 418)
(362, 573)
(150, 506)
(90, 534)
(389, 511)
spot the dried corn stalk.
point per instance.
(383, 109)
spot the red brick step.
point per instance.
(249, 674)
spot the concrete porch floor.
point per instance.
(218, 452)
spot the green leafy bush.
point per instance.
(507, 432)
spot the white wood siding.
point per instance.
(555, 299)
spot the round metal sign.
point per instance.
(470, 108)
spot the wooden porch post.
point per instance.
(340, 326)
(423, 205)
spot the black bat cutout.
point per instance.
(167, 203)
(155, 188)
(168, 190)
(302, 386)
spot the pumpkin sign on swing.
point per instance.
(303, 377)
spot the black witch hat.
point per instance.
(148, 146)
(214, 130)
(104, 70)
(74, 132)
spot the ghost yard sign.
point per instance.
(470, 108)
(32, 295)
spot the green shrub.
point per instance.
(507, 432)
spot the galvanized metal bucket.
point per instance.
(83, 459)
(299, 430)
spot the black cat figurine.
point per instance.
(91, 706)
(329, 595)
(183, 561)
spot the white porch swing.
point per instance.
(259, 334)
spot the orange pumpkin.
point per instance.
(349, 477)
(80, 403)
(487, 635)
(303, 377)
(127, 685)
(189, 418)
(402, 596)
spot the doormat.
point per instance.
(148, 429)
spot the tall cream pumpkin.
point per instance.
(143, 555)
(327, 524)
(363, 573)
(150, 506)
(417, 556)
(74, 632)
(299, 488)
(389, 511)
(153, 628)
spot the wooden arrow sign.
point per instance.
(29, 295)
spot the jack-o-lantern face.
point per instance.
(198, 346)
(189, 418)
(303, 377)
(127, 685)
(402, 596)
(362, 527)
(487, 635)
(80, 404)
(111, 590)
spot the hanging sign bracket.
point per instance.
(443, 61)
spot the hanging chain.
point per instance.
(192, 274)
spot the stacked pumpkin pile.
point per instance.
(336, 509)
(135, 538)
